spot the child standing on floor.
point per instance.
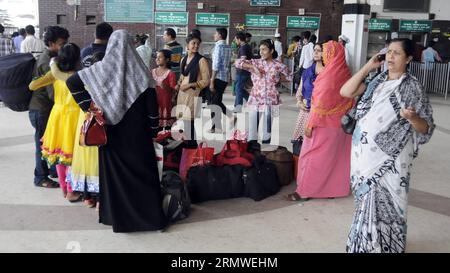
(83, 175)
(166, 81)
(59, 136)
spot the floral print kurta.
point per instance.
(264, 92)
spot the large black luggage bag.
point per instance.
(16, 73)
(214, 183)
(261, 180)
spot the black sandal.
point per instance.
(295, 197)
(48, 183)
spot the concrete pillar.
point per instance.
(355, 25)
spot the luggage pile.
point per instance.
(240, 169)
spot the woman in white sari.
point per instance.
(394, 118)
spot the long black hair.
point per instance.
(269, 43)
(68, 57)
(167, 55)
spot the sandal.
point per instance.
(48, 183)
(295, 197)
(74, 197)
(90, 203)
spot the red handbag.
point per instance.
(93, 130)
(195, 157)
(234, 153)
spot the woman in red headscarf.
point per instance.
(324, 163)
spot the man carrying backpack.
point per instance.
(41, 103)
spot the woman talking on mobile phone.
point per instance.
(394, 117)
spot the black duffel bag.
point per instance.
(261, 180)
(16, 73)
(215, 183)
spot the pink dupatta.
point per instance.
(327, 105)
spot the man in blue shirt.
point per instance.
(221, 59)
(102, 33)
(19, 39)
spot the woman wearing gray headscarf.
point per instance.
(130, 195)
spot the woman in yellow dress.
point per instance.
(59, 137)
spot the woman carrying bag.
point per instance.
(130, 192)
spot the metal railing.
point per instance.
(433, 76)
(288, 85)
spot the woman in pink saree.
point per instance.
(324, 163)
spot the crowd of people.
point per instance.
(142, 92)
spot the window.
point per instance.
(422, 6)
(259, 34)
(90, 20)
(208, 42)
(61, 19)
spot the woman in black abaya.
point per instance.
(120, 85)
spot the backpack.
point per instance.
(15, 75)
(176, 200)
(261, 180)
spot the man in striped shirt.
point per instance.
(177, 50)
(6, 44)
(221, 59)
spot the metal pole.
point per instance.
(446, 81)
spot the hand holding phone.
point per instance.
(381, 57)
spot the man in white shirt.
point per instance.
(307, 56)
(31, 44)
(278, 47)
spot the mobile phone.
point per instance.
(381, 57)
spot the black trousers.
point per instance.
(215, 98)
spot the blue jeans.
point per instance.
(39, 122)
(241, 93)
(254, 118)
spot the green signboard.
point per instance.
(167, 5)
(171, 18)
(380, 24)
(265, 3)
(266, 21)
(212, 19)
(303, 22)
(129, 11)
(415, 25)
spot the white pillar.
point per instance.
(355, 25)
